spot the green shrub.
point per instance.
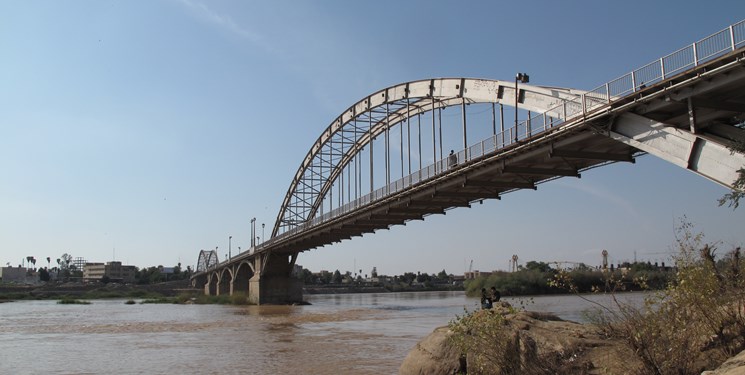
(70, 301)
(696, 322)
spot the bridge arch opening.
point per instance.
(211, 285)
(243, 274)
(224, 281)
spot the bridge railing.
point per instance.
(706, 49)
(709, 48)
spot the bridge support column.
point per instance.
(273, 282)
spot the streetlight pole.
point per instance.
(522, 78)
(253, 232)
(262, 232)
(230, 254)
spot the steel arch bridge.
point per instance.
(352, 133)
(384, 161)
(207, 260)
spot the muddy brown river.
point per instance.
(342, 334)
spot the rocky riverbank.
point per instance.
(537, 341)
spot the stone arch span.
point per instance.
(241, 277)
(225, 277)
(212, 282)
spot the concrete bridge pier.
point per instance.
(272, 283)
(199, 282)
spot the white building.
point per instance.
(114, 270)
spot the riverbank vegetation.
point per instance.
(536, 278)
(358, 282)
(91, 291)
(694, 322)
(72, 301)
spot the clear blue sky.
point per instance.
(159, 128)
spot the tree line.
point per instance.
(536, 278)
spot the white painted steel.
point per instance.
(682, 148)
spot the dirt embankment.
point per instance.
(93, 290)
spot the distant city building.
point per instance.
(114, 270)
(20, 275)
(297, 269)
(476, 274)
(78, 263)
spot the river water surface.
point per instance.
(342, 334)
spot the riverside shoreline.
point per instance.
(9, 292)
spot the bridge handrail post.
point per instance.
(732, 36)
(544, 121)
(607, 91)
(565, 110)
(584, 105)
(695, 55)
(662, 67)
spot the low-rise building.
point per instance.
(20, 275)
(114, 270)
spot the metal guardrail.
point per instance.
(725, 41)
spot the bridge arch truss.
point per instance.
(207, 259)
(352, 160)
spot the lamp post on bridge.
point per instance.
(522, 78)
(230, 254)
(253, 232)
(262, 232)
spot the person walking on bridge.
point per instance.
(452, 159)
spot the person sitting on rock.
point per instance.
(495, 296)
(485, 300)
